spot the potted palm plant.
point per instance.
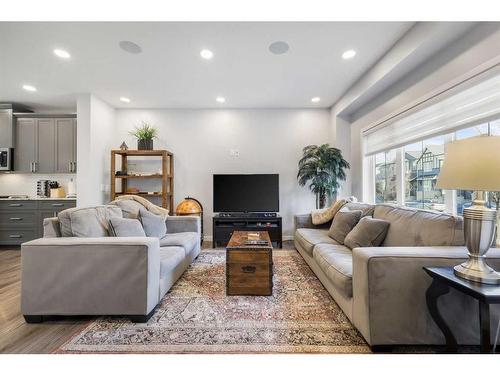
(145, 135)
(323, 167)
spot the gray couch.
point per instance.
(382, 289)
(123, 276)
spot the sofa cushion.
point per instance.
(154, 225)
(170, 257)
(130, 208)
(187, 240)
(324, 215)
(368, 232)
(366, 208)
(336, 262)
(343, 223)
(87, 221)
(308, 238)
(123, 227)
(414, 227)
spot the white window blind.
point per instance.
(474, 105)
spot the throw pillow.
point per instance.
(342, 224)
(367, 233)
(154, 225)
(123, 227)
(324, 215)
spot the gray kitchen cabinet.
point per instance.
(65, 145)
(25, 146)
(22, 220)
(45, 145)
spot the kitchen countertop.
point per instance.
(37, 199)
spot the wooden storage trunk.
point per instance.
(249, 268)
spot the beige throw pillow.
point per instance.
(342, 224)
(324, 215)
(367, 233)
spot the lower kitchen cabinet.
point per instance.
(22, 220)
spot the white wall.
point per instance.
(268, 141)
(95, 135)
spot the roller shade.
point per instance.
(474, 105)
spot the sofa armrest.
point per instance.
(90, 276)
(389, 285)
(177, 224)
(51, 227)
(305, 221)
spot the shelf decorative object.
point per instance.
(191, 206)
(119, 182)
(145, 135)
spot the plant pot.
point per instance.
(144, 144)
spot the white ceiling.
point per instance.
(169, 73)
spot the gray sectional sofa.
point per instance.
(122, 276)
(382, 289)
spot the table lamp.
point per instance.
(474, 164)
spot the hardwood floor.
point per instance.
(16, 336)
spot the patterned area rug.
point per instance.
(196, 316)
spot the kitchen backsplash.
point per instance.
(25, 184)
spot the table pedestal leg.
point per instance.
(484, 323)
(435, 290)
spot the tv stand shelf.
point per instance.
(223, 228)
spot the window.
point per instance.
(385, 177)
(424, 159)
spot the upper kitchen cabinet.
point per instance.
(25, 146)
(45, 145)
(65, 145)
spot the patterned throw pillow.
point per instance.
(324, 215)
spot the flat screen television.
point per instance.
(246, 193)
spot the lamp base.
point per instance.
(476, 269)
(479, 230)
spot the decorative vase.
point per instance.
(144, 144)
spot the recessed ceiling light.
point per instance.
(29, 88)
(316, 99)
(279, 47)
(62, 53)
(206, 54)
(220, 99)
(349, 54)
(130, 47)
(124, 99)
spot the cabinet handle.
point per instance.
(15, 205)
(16, 218)
(57, 204)
(15, 236)
(70, 166)
(74, 167)
(31, 167)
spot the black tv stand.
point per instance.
(223, 226)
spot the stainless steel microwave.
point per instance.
(6, 156)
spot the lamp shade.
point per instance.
(471, 164)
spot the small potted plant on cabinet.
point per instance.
(145, 135)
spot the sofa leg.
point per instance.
(33, 318)
(382, 348)
(141, 318)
